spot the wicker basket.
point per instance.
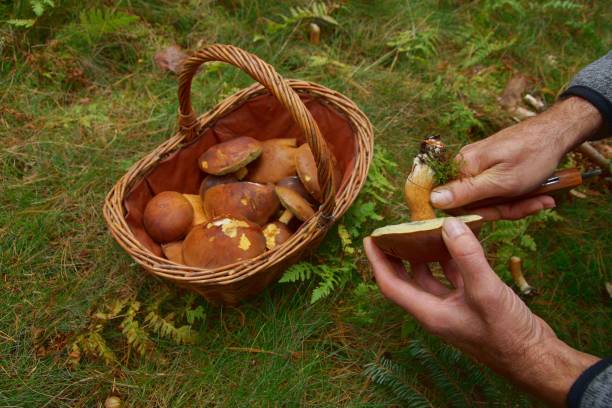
(273, 107)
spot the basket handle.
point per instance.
(265, 74)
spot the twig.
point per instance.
(596, 157)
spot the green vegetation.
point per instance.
(82, 100)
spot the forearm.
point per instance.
(549, 369)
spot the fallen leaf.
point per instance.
(513, 92)
(170, 58)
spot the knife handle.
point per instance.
(561, 180)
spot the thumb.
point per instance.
(464, 191)
(469, 257)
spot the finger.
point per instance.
(465, 190)
(451, 271)
(410, 297)
(468, 256)
(423, 277)
(516, 210)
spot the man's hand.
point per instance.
(481, 315)
(517, 159)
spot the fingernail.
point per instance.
(548, 206)
(441, 197)
(453, 227)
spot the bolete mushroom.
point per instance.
(198, 212)
(252, 201)
(276, 233)
(173, 251)
(221, 242)
(231, 156)
(296, 185)
(276, 162)
(294, 204)
(306, 168)
(420, 240)
(211, 181)
(168, 217)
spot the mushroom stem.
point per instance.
(315, 33)
(516, 268)
(420, 181)
(286, 217)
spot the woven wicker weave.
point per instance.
(232, 283)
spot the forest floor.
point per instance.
(82, 99)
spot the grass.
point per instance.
(77, 110)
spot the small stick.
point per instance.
(535, 103)
(315, 33)
(592, 153)
(516, 268)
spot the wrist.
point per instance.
(573, 120)
(549, 368)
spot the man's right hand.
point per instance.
(517, 159)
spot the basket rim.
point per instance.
(114, 210)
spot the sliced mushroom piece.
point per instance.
(296, 185)
(174, 251)
(252, 201)
(229, 157)
(168, 217)
(222, 241)
(276, 233)
(211, 181)
(420, 240)
(307, 171)
(198, 211)
(276, 162)
(295, 205)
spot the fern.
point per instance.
(39, 6)
(562, 5)
(136, 336)
(319, 12)
(481, 47)
(337, 264)
(95, 24)
(444, 379)
(512, 238)
(390, 374)
(416, 44)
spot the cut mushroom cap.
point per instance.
(276, 162)
(307, 171)
(174, 251)
(211, 181)
(296, 185)
(168, 216)
(222, 241)
(294, 203)
(230, 156)
(419, 241)
(198, 212)
(276, 233)
(251, 201)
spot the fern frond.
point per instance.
(392, 375)
(445, 379)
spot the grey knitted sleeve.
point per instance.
(594, 83)
(593, 389)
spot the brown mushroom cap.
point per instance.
(228, 157)
(221, 242)
(211, 181)
(307, 171)
(276, 233)
(294, 203)
(276, 162)
(296, 185)
(198, 212)
(174, 251)
(419, 241)
(168, 216)
(251, 201)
